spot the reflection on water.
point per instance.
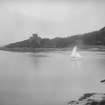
(49, 78)
(76, 64)
(36, 59)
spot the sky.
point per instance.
(19, 19)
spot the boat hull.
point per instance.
(76, 58)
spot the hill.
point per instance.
(96, 38)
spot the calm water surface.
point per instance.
(49, 78)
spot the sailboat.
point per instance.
(75, 55)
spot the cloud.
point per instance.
(52, 0)
(19, 19)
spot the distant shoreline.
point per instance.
(24, 49)
(92, 41)
(17, 49)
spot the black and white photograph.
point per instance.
(52, 52)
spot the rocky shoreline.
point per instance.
(90, 99)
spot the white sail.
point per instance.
(75, 54)
(74, 51)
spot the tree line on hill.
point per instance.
(92, 38)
